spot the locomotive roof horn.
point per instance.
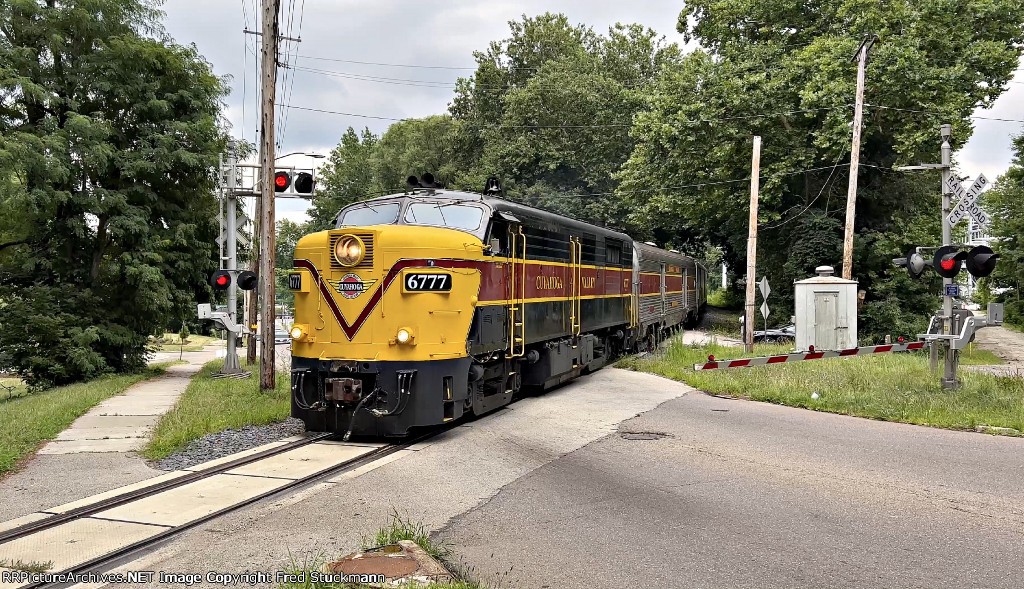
(425, 181)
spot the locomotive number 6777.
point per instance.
(421, 306)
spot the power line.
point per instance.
(602, 126)
(936, 113)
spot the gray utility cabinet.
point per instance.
(826, 312)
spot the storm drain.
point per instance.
(644, 435)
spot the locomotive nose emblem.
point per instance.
(351, 286)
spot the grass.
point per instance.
(397, 528)
(975, 356)
(170, 342)
(212, 405)
(11, 388)
(27, 567)
(893, 387)
(34, 417)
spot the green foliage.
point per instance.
(108, 141)
(184, 333)
(533, 111)
(403, 528)
(1006, 203)
(28, 420)
(212, 405)
(288, 235)
(894, 387)
(783, 71)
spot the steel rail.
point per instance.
(126, 551)
(104, 504)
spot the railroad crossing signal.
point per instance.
(221, 279)
(981, 261)
(949, 260)
(292, 182)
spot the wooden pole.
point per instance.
(755, 183)
(851, 192)
(267, 225)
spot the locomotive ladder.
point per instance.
(517, 296)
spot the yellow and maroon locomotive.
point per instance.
(421, 306)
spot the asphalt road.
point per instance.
(745, 494)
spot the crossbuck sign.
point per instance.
(968, 201)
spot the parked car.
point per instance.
(778, 335)
(281, 337)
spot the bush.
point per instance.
(183, 334)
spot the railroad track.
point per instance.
(125, 524)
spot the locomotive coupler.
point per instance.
(343, 390)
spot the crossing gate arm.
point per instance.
(713, 364)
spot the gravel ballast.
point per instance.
(221, 444)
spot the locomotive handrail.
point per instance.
(517, 298)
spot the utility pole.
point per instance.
(267, 224)
(952, 356)
(851, 192)
(755, 182)
(231, 257)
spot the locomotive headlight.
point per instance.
(403, 336)
(348, 250)
(297, 332)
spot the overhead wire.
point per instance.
(560, 126)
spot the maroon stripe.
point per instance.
(850, 352)
(739, 363)
(776, 359)
(915, 346)
(882, 349)
(814, 356)
(710, 366)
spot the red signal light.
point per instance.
(282, 180)
(900, 339)
(711, 357)
(948, 264)
(223, 280)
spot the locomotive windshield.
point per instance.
(367, 214)
(466, 218)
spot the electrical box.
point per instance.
(826, 312)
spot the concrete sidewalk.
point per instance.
(123, 423)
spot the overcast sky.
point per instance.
(441, 34)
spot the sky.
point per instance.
(435, 33)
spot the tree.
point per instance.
(347, 177)
(783, 71)
(1006, 202)
(108, 142)
(288, 235)
(548, 111)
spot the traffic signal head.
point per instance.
(304, 183)
(948, 260)
(247, 280)
(282, 180)
(981, 261)
(220, 280)
(914, 263)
